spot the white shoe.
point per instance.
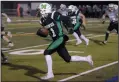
(87, 42)
(104, 42)
(89, 59)
(10, 45)
(48, 76)
(78, 43)
(9, 34)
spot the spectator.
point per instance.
(21, 11)
(28, 10)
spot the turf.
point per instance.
(32, 67)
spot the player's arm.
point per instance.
(83, 18)
(41, 31)
(6, 16)
(103, 18)
(57, 16)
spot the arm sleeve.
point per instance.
(57, 16)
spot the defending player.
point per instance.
(75, 17)
(4, 34)
(52, 22)
(112, 13)
(65, 19)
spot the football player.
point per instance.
(4, 34)
(65, 19)
(112, 13)
(52, 22)
(75, 17)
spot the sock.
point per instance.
(77, 37)
(106, 36)
(84, 38)
(49, 63)
(78, 58)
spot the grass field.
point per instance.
(24, 66)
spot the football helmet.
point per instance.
(115, 7)
(111, 7)
(45, 8)
(71, 8)
(62, 6)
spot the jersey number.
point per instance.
(53, 32)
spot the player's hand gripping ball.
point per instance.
(43, 32)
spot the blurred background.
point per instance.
(91, 9)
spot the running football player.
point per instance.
(112, 13)
(75, 17)
(65, 19)
(52, 22)
(4, 34)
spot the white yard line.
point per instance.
(47, 44)
(27, 47)
(89, 71)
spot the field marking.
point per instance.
(35, 52)
(23, 34)
(89, 71)
(48, 44)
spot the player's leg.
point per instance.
(51, 49)
(109, 29)
(6, 33)
(82, 36)
(10, 43)
(116, 26)
(77, 38)
(4, 59)
(62, 51)
(76, 34)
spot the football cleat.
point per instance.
(89, 59)
(10, 45)
(104, 42)
(48, 76)
(87, 42)
(78, 43)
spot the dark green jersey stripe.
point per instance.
(55, 43)
(77, 23)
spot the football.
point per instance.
(43, 32)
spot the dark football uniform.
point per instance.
(75, 22)
(113, 20)
(53, 23)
